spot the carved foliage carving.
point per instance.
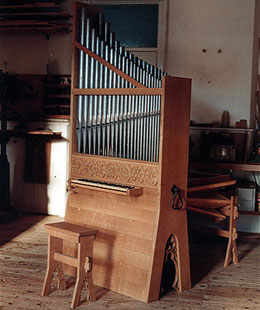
(170, 275)
(138, 174)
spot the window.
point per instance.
(135, 25)
(139, 25)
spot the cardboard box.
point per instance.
(246, 194)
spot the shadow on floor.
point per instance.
(13, 228)
(246, 244)
(203, 246)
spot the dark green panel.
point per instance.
(135, 25)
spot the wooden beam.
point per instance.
(108, 65)
(117, 91)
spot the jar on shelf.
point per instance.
(225, 120)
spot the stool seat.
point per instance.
(83, 237)
(73, 231)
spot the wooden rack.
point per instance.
(44, 17)
(56, 98)
(209, 208)
(217, 208)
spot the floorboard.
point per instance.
(23, 254)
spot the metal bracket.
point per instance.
(177, 202)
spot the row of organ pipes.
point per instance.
(115, 125)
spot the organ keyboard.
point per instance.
(102, 186)
(129, 127)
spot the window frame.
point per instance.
(162, 27)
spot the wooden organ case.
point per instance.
(129, 146)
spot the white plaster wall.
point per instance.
(30, 53)
(221, 76)
(27, 53)
(40, 198)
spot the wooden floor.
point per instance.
(23, 262)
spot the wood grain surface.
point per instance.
(23, 262)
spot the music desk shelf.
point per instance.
(19, 133)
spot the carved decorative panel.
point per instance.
(170, 275)
(115, 171)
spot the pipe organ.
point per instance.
(128, 162)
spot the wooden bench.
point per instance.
(217, 208)
(83, 237)
(205, 201)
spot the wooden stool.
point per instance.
(83, 237)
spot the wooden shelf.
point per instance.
(35, 14)
(47, 18)
(56, 99)
(57, 106)
(239, 166)
(57, 96)
(19, 133)
(248, 235)
(34, 5)
(56, 85)
(249, 212)
(57, 116)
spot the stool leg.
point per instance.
(90, 287)
(47, 281)
(85, 249)
(88, 272)
(61, 279)
(80, 273)
(77, 292)
(50, 266)
(54, 245)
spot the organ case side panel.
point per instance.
(173, 171)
